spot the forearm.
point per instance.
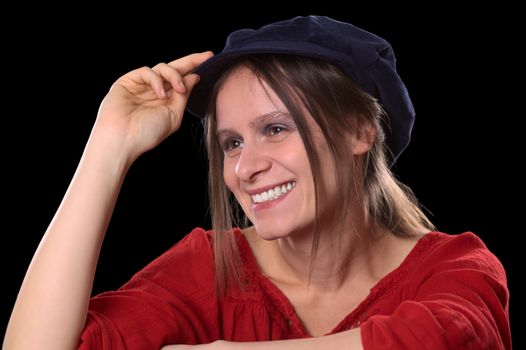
(51, 307)
(348, 340)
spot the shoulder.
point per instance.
(454, 295)
(191, 255)
(193, 252)
(455, 245)
(197, 241)
(460, 251)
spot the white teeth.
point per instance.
(273, 193)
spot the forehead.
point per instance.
(243, 97)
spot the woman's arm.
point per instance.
(348, 340)
(52, 302)
(142, 108)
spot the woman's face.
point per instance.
(265, 162)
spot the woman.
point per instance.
(332, 252)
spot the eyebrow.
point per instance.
(261, 119)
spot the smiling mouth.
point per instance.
(273, 193)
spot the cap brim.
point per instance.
(212, 69)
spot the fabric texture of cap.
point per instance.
(368, 59)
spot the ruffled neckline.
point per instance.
(382, 288)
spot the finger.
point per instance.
(148, 76)
(171, 75)
(190, 81)
(188, 63)
(177, 102)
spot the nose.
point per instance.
(251, 162)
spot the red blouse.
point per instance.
(450, 292)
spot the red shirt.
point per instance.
(450, 292)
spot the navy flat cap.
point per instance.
(368, 59)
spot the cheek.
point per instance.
(229, 175)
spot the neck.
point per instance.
(343, 257)
(335, 262)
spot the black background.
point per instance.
(458, 66)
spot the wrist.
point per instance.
(106, 158)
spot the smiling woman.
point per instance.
(314, 243)
(259, 160)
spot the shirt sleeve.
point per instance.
(170, 301)
(458, 300)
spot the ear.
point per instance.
(362, 141)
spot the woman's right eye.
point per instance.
(231, 145)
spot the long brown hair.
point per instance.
(338, 106)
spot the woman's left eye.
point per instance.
(273, 130)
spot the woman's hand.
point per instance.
(146, 105)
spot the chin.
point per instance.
(272, 231)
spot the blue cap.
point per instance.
(368, 59)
